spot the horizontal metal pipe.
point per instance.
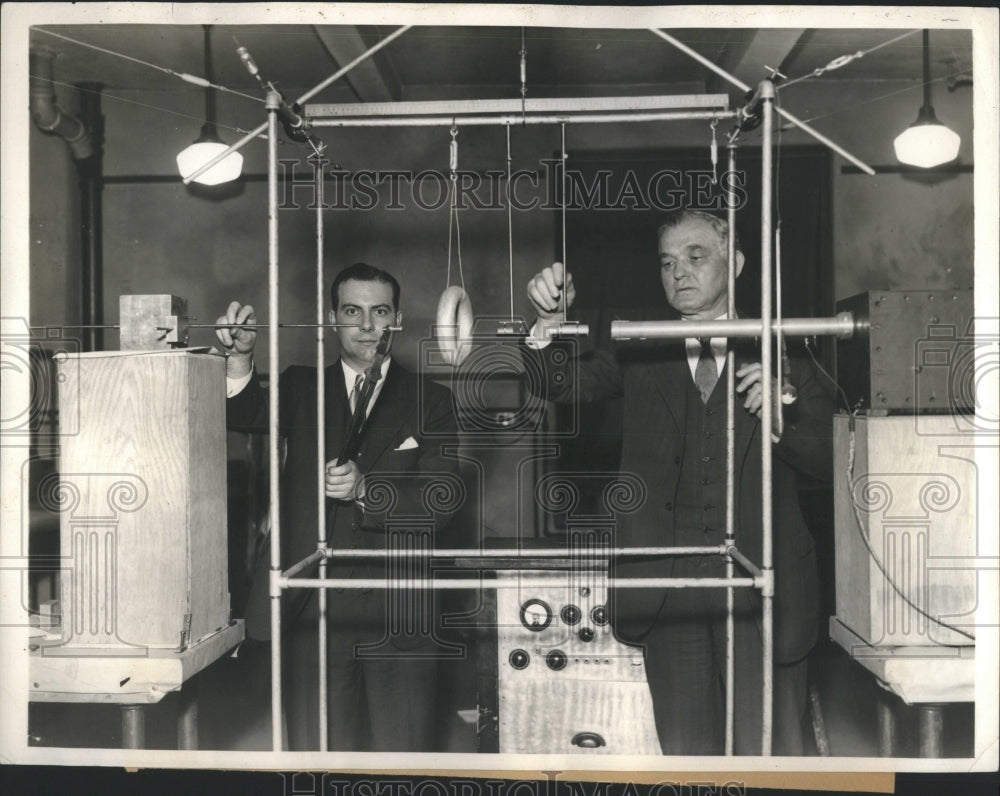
(454, 108)
(589, 552)
(514, 119)
(263, 325)
(841, 325)
(541, 583)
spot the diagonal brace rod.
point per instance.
(308, 95)
(744, 87)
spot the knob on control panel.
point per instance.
(586, 634)
(599, 614)
(570, 614)
(519, 659)
(556, 660)
(536, 614)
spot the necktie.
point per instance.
(358, 381)
(706, 374)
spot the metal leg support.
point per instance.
(886, 727)
(931, 730)
(133, 727)
(187, 715)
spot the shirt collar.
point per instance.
(350, 374)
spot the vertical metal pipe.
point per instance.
(90, 173)
(886, 726)
(319, 163)
(730, 462)
(931, 730)
(187, 715)
(274, 463)
(133, 727)
(766, 92)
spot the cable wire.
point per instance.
(106, 95)
(849, 474)
(187, 78)
(843, 60)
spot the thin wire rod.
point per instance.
(730, 459)
(744, 87)
(274, 464)
(541, 583)
(509, 118)
(766, 475)
(565, 265)
(510, 228)
(265, 325)
(318, 177)
(108, 95)
(187, 78)
(843, 60)
(335, 76)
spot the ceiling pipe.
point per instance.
(46, 114)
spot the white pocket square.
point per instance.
(408, 444)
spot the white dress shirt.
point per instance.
(693, 345)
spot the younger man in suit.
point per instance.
(380, 647)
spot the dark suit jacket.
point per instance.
(652, 381)
(417, 482)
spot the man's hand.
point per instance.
(236, 340)
(344, 482)
(545, 290)
(750, 382)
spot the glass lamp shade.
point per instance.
(201, 152)
(926, 142)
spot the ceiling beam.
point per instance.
(374, 79)
(747, 53)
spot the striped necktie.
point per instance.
(706, 374)
(358, 381)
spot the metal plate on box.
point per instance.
(918, 355)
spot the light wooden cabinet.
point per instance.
(141, 493)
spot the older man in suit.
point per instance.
(674, 439)
(381, 651)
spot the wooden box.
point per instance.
(142, 500)
(906, 529)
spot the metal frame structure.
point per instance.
(507, 112)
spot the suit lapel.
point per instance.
(671, 377)
(337, 412)
(388, 414)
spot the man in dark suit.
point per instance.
(674, 439)
(396, 493)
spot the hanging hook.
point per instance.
(715, 154)
(453, 151)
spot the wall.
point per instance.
(892, 231)
(55, 233)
